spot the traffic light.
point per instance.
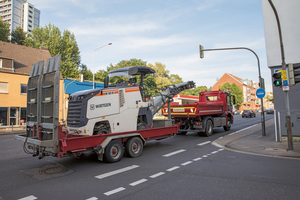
(292, 73)
(201, 51)
(277, 79)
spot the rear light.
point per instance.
(198, 123)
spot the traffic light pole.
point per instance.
(287, 101)
(263, 127)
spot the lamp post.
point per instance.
(94, 63)
(259, 78)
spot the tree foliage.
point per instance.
(50, 36)
(4, 31)
(87, 73)
(195, 91)
(234, 90)
(270, 97)
(18, 36)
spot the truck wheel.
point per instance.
(228, 126)
(134, 147)
(114, 151)
(209, 128)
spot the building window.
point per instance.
(3, 87)
(23, 88)
(3, 116)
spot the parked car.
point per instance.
(236, 112)
(248, 113)
(270, 111)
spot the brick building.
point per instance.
(249, 87)
(15, 66)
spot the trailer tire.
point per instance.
(209, 128)
(114, 151)
(228, 126)
(134, 147)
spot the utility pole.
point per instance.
(287, 101)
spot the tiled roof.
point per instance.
(24, 57)
(237, 78)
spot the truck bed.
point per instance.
(196, 109)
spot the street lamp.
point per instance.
(94, 63)
(259, 78)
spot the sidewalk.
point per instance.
(251, 141)
(12, 131)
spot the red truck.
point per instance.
(214, 109)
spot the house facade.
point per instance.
(15, 66)
(249, 87)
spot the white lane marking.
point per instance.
(204, 143)
(117, 171)
(92, 198)
(221, 150)
(31, 197)
(196, 159)
(208, 154)
(220, 137)
(173, 153)
(157, 175)
(243, 129)
(186, 163)
(173, 168)
(138, 182)
(217, 145)
(114, 191)
(232, 133)
(214, 152)
(205, 156)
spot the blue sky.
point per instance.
(168, 32)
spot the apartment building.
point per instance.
(15, 66)
(20, 13)
(249, 87)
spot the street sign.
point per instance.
(286, 88)
(260, 93)
(284, 78)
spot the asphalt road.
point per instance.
(181, 167)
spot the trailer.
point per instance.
(95, 117)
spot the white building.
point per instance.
(20, 13)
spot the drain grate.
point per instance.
(54, 170)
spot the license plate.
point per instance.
(178, 110)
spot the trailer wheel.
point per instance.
(228, 126)
(209, 128)
(114, 151)
(134, 147)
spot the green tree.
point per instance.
(175, 79)
(70, 58)
(4, 31)
(234, 90)
(50, 36)
(87, 73)
(270, 97)
(195, 91)
(18, 36)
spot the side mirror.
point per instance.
(106, 79)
